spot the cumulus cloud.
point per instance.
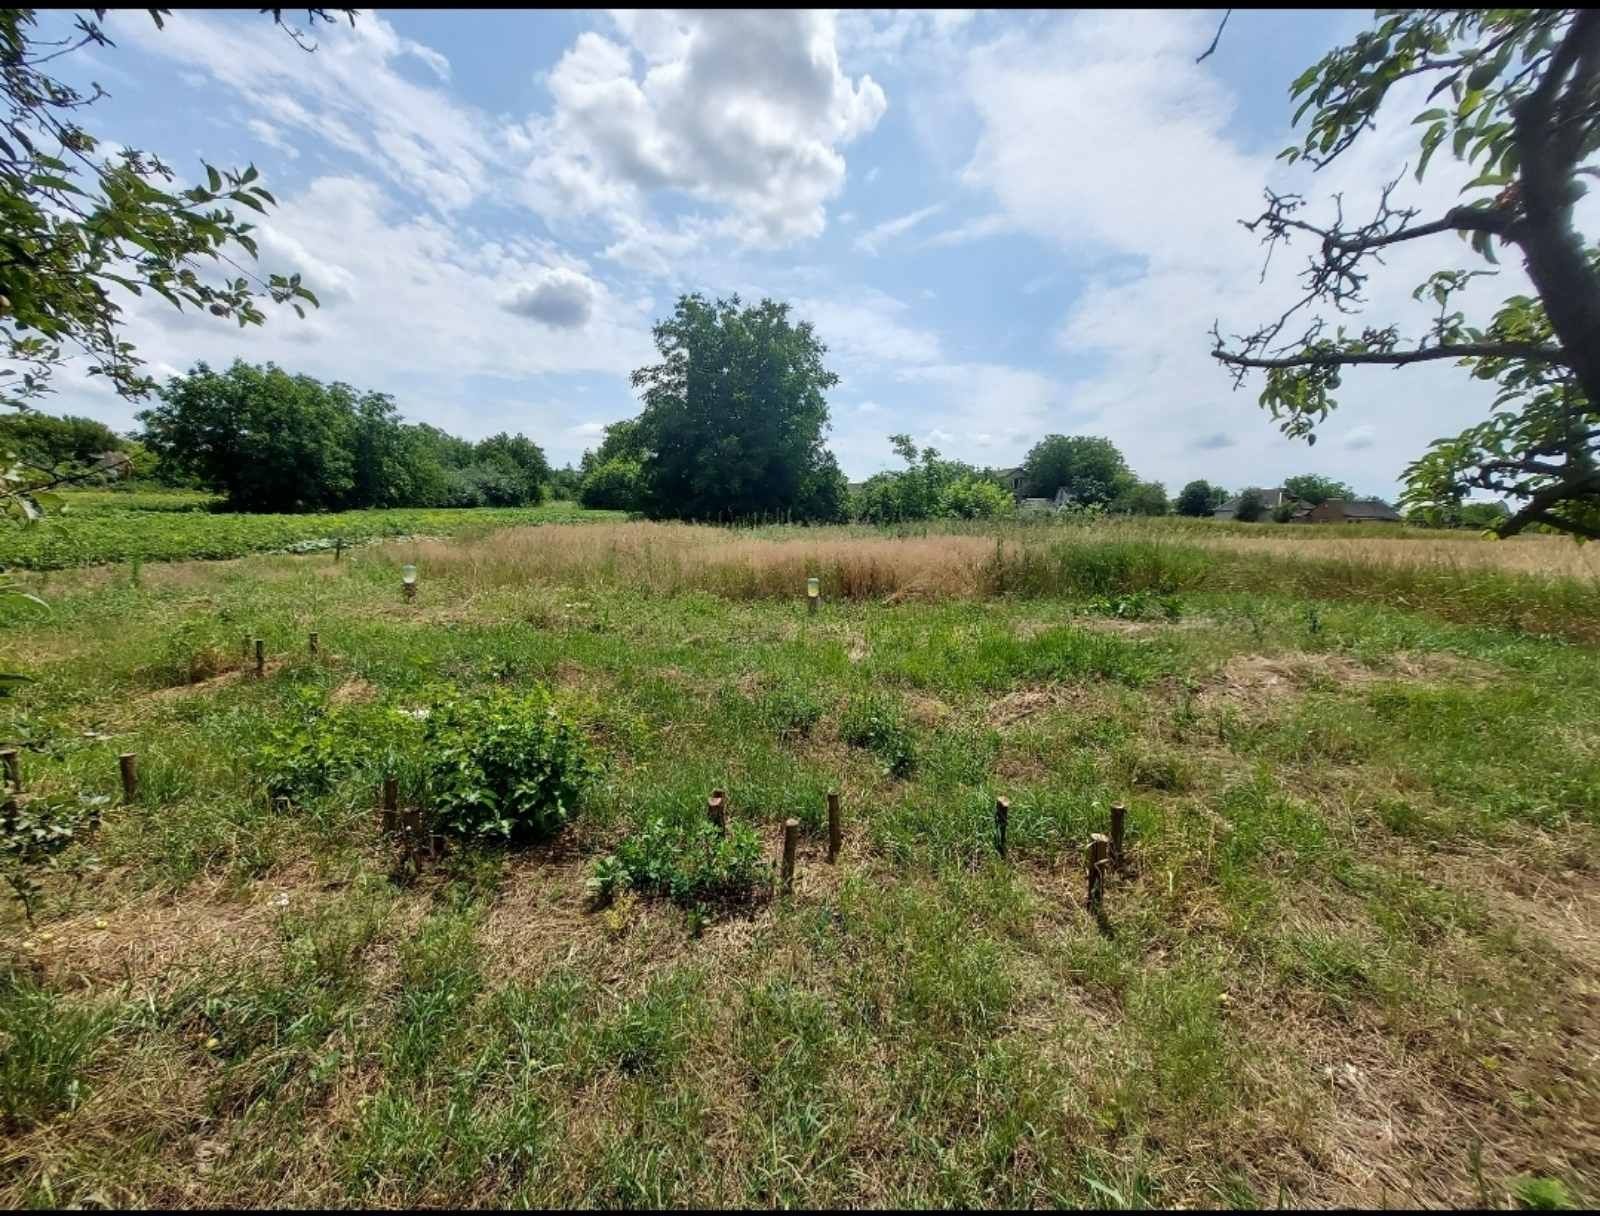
(562, 299)
(1102, 138)
(745, 111)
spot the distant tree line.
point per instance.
(271, 441)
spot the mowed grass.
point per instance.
(1352, 961)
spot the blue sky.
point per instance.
(1003, 224)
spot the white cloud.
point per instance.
(745, 111)
(348, 92)
(972, 230)
(878, 234)
(1360, 437)
(270, 135)
(1101, 136)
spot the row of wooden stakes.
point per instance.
(11, 760)
(1104, 853)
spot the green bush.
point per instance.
(317, 748)
(690, 865)
(789, 712)
(879, 726)
(503, 766)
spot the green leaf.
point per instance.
(1481, 76)
(213, 179)
(1430, 116)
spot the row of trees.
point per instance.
(271, 441)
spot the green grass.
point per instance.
(1361, 891)
(176, 527)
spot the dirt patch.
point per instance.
(1137, 629)
(354, 691)
(1027, 703)
(1255, 681)
(926, 711)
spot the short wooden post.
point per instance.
(391, 803)
(281, 806)
(338, 547)
(436, 845)
(717, 810)
(1002, 821)
(1119, 815)
(835, 827)
(813, 594)
(130, 776)
(13, 763)
(261, 657)
(791, 841)
(311, 640)
(1099, 851)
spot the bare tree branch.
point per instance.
(1399, 358)
(1207, 53)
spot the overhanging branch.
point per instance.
(1399, 358)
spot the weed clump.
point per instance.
(691, 866)
(879, 726)
(503, 766)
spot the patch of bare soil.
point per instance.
(155, 939)
(354, 691)
(1127, 628)
(1029, 702)
(1255, 681)
(927, 711)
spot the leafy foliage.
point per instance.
(1199, 498)
(928, 487)
(689, 864)
(78, 224)
(879, 725)
(275, 442)
(1316, 490)
(1519, 88)
(317, 747)
(1090, 468)
(616, 485)
(1136, 497)
(734, 415)
(503, 766)
(1252, 506)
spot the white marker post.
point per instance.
(408, 580)
(813, 594)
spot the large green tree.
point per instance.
(734, 415)
(1316, 489)
(1199, 498)
(1516, 96)
(1089, 467)
(268, 440)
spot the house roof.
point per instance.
(1364, 508)
(1269, 499)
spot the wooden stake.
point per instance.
(717, 810)
(13, 763)
(1119, 814)
(338, 547)
(312, 640)
(391, 803)
(1099, 850)
(835, 827)
(130, 776)
(281, 806)
(261, 658)
(791, 841)
(1002, 820)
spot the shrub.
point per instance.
(612, 486)
(974, 497)
(688, 864)
(880, 727)
(503, 766)
(308, 755)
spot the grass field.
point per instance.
(108, 526)
(1354, 958)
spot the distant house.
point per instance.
(116, 465)
(1271, 500)
(1016, 480)
(1348, 511)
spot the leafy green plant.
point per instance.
(689, 865)
(318, 747)
(45, 1041)
(880, 726)
(1541, 1194)
(1139, 605)
(34, 833)
(790, 712)
(503, 765)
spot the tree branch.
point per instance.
(1207, 53)
(1464, 350)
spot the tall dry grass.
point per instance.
(1528, 586)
